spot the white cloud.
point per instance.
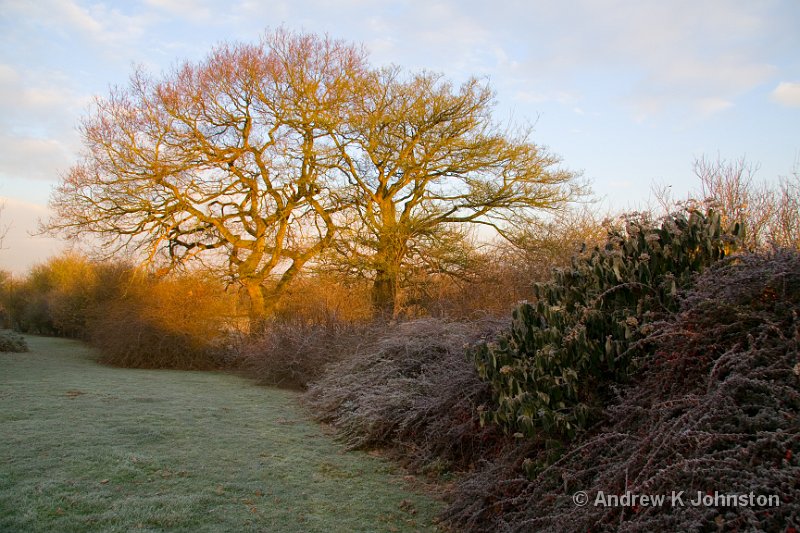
(42, 96)
(96, 22)
(709, 106)
(38, 112)
(78, 17)
(655, 56)
(787, 93)
(194, 10)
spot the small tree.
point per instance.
(730, 186)
(771, 214)
(784, 225)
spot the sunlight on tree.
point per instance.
(424, 158)
(221, 162)
(261, 157)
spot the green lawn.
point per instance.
(85, 447)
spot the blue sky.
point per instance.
(628, 91)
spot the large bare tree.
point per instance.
(224, 161)
(258, 157)
(422, 159)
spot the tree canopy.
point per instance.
(424, 158)
(261, 156)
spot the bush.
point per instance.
(173, 322)
(324, 299)
(293, 353)
(411, 388)
(12, 342)
(56, 298)
(552, 372)
(715, 407)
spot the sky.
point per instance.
(628, 92)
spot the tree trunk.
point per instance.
(388, 261)
(384, 293)
(257, 310)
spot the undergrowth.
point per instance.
(413, 391)
(293, 353)
(11, 341)
(714, 409)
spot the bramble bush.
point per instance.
(714, 406)
(552, 372)
(293, 353)
(173, 322)
(410, 388)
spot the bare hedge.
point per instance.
(411, 389)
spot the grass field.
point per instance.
(85, 447)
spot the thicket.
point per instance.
(293, 353)
(771, 211)
(55, 298)
(553, 371)
(174, 322)
(12, 342)
(715, 407)
(410, 388)
(131, 317)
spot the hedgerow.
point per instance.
(715, 408)
(294, 353)
(411, 388)
(552, 372)
(176, 322)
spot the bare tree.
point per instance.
(256, 158)
(771, 214)
(784, 225)
(423, 158)
(224, 161)
(730, 186)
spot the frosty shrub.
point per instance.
(715, 407)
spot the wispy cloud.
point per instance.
(95, 22)
(31, 158)
(711, 105)
(682, 54)
(27, 92)
(37, 117)
(787, 93)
